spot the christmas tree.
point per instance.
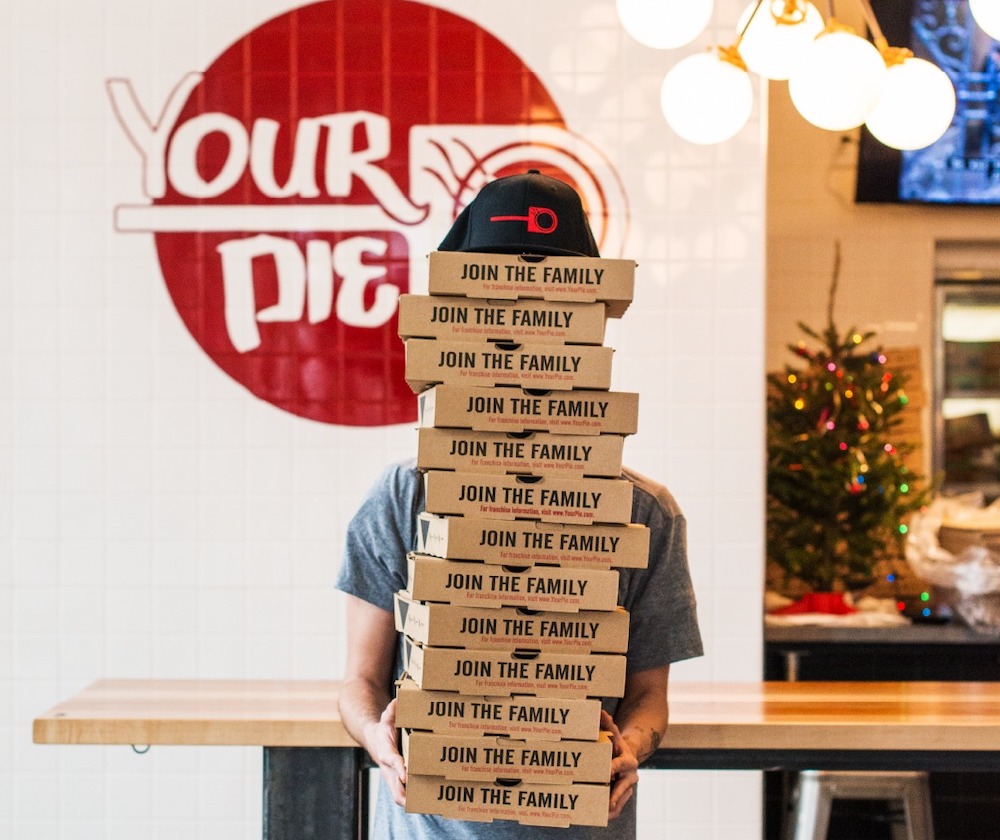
(838, 491)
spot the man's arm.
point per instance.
(366, 705)
(639, 725)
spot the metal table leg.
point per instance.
(315, 793)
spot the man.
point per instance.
(528, 213)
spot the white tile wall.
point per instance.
(156, 520)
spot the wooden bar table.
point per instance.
(314, 773)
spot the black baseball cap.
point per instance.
(524, 214)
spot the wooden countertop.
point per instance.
(218, 712)
(862, 716)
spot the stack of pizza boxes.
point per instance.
(511, 627)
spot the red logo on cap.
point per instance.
(539, 219)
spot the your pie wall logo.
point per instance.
(295, 187)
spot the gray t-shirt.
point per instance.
(663, 625)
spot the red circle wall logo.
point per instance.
(297, 185)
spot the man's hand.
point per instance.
(640, 721)
(366, 706)
(624, 768)
(383, 747)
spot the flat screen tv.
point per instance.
(963, 167)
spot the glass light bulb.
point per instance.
(772, 44)
(664, 24)
(987, 16)
(706, 99)
(838, 82)
(916, 108)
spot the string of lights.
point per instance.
(837, 79)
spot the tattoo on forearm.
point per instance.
(654, 741)
(648, 740)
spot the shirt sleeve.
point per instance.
(380, 535)
(663, 625)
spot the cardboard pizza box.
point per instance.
(511, 628)
(529, 542)
(527, 803)
(528, 497)
(469, 319)
(529, 365)
(488, 409)
(538, 453)
(581, 279)
(503, 673)
(473, 584)
(488, 758)
(518, 716)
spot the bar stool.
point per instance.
(818, 788)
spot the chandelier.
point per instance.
(837, 80)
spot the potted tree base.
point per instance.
(830, 603)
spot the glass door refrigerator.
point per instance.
(966, 417)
